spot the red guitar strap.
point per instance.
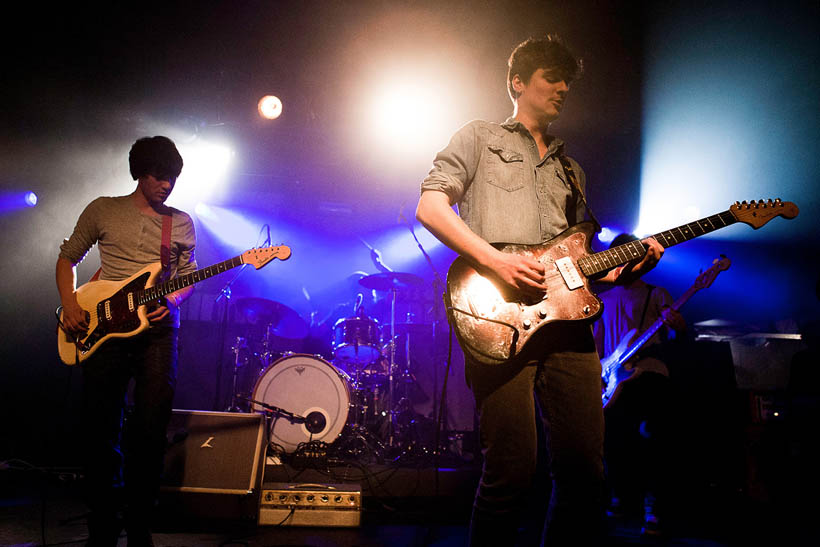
(165, 249)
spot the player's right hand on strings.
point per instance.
(74, 318)
(520, 273)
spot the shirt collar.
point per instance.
(556, 144)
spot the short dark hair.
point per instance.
(548, 53)
(621, 239)
(157, 156)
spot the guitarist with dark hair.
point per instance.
(131, 232)
(514, 183)
(637, 415)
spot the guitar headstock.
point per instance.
(758, 213)
(261, 256)
(706, 278)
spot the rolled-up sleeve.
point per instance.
(85, 235)
(454, 167)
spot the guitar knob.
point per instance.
(527, 323)
(587, 310)
(542, 314)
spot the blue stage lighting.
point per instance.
(30, 199)
(606, 235)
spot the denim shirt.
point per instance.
(505, 192)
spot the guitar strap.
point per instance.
(165, 248)
(573, 179)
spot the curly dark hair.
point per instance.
(157, 156)
(549, 53)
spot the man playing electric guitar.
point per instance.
(637, 415)
(514, 183)
(131, 232)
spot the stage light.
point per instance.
(270, 107)
(31, 199)
(206, 169)
(606, 235)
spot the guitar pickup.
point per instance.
(570, 274)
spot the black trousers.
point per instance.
(123, 468)
(638, 441)
(561, 373)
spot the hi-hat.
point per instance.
(282, 320)
(387, 281)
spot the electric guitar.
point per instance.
(613, 372)
(118, 309)
(492, 326)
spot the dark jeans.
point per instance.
(638, 429)
(123, 468)
(561, 373)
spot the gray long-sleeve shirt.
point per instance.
(507, 193)
(129, 240)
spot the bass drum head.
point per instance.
(307, 386)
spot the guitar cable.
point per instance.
(515, 335)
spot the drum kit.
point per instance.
(360, 398)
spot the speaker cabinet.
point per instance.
(214, 464)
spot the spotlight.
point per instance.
(606, 235)
(31, 199)
(270, 107)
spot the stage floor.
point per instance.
(39, 508)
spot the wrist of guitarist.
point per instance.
(170, 302)
(629, 272)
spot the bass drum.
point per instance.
(306, 386)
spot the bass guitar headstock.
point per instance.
(705, 279)
(758, 213)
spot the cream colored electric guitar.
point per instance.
(119, 309)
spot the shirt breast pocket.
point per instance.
(505, 168)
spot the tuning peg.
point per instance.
(743, 202)
(778, 201)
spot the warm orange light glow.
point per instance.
(270, 107)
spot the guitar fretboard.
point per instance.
(605, 260)
(157, 291)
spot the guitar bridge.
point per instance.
(570, 273)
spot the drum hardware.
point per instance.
(236, 349)
(279, 320)
(392, 281)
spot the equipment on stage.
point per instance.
(356, 340)
(307, 386)
(286, 504)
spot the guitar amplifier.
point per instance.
(285, 504)
(213, 464)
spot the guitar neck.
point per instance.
(654, 327)
(606, 260)
(161, 289)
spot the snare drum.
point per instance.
(356, 340)
(306, 386)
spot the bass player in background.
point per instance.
(513, 183)
(129, 233)
(638, 416)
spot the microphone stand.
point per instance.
(438, 288)
(225, 293)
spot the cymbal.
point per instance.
(387, 281)
(282, 320)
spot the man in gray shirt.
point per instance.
(128, 231)
(510, 186)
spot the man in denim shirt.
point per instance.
(510, 187)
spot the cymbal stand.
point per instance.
(240, 345)
(392, 371)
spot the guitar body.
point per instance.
(616, 372)
(493, 327)
(112, 313)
